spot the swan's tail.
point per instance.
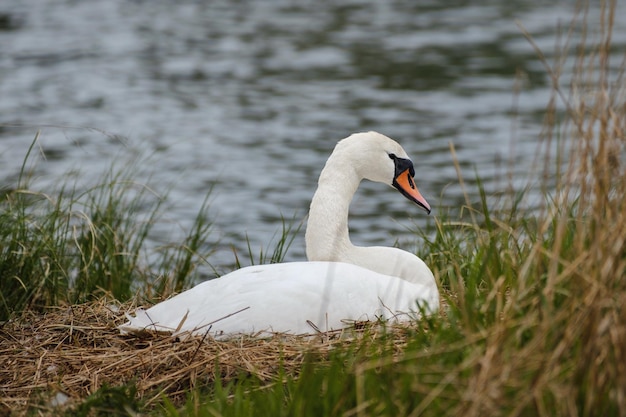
(142, 323)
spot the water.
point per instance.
(250, 97)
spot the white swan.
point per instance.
(341, 282)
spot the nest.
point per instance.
(73, 351)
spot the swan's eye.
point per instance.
(402, 164)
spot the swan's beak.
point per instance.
(404, 183)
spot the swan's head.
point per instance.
(379, 158)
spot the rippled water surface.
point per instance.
(250, 97)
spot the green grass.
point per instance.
(533, 323)
(77, 245)
(281, 244)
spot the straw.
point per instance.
(77, 349)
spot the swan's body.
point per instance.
(340, 283)
(295, 298)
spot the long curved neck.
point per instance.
(327, 237)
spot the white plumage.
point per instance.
(341, 282)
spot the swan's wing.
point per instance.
(294, 298)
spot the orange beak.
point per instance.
(404, 183)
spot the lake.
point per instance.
(248, 98)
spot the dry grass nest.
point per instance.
(74, 350)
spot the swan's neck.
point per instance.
(327, 237)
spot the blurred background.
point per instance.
(248, 98)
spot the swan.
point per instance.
(341, 283)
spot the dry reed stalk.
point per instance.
(566, 355)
